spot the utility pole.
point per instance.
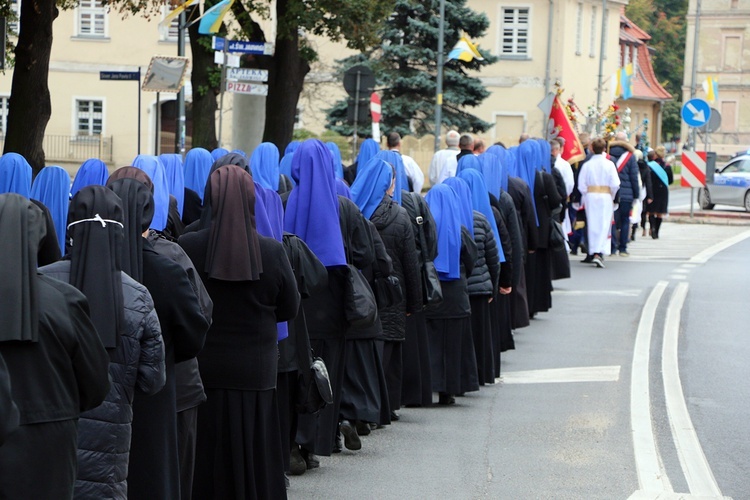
(694, 72)
(439, 97)
(180, 131)
(601, 64)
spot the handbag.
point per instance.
(315, 389)
(360, 308)
(387, 291)
(432, 292)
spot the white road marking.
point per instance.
(702, 257)
(619, 293)
(694, 464)
(689, 266)
(663, 495)
(651, 473)
(680, 271)
(563, 375)
(677, 277)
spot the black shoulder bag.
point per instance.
(360, 308)
(432, 292)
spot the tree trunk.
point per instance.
(30, 107)
(204, 94)
(286, 77)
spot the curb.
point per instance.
(718, 218)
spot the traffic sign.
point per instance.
(375, 107)
(359, 78)
(247, 88)
(714, 123)
(693, 169)
(258, 48)
(119, 75)
(696, 112)
(248, 74)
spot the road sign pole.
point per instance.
(223, 84)
(694, 73)
(179, 137)
(157, 127)
(692, 197)
(356, 114)
(139, 110)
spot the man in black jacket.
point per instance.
(622, 154)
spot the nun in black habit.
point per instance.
(249, 278)
(56, 361)
(123, 312)
(8, 409)
(154, 463)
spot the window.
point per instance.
(733, 4)
(15, 7)
(732, 53)
(4, 114)
(729, 116)
(92, 17)
(515, 32)
(592, 37)
(169, 33)
(89, 117)
(579, 28)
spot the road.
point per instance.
(600, 397)
(679, 201)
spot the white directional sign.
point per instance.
(248, 74)
(232, 60)
(247, 88)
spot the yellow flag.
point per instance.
(176, 12)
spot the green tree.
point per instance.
(405, 65)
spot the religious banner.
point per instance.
(559, 126)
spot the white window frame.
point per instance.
(509, 114)
(515, 26)
(579, 28)
(76, 131)
(4, 103)
(95, 10)
(592, 35)
(169, 33)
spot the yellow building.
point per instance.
(724, 53)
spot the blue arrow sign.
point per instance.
(260, 48)
(696, 112)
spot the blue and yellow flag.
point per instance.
(176, 12)
(626, 81)
(711, 88)
(212, 18)
(465, 51)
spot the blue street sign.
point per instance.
(696, 112)
(260, 48)
(119, 75)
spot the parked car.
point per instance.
(731, 185)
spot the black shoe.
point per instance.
(351, 439)
(297, 464)
(337, 445)
(574, 251)
(395, 417)
(363, 428)
(311, 460)
(446, 399)
(588, 260)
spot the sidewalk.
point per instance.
(710, 217)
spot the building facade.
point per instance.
(724, 53)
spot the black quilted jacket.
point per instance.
(484, 278)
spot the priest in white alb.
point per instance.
(598, 183)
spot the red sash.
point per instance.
(623, 160)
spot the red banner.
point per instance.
(560, 126)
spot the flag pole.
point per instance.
(694, 69)
(439, 96)
(602, 48)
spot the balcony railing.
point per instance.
(76, 148)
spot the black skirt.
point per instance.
(452, 358)
(364, 395)
(287, 391)
(542, 285)
(39, 461)
(519, 302)
(316, 433)
(502, 334)
(238, 451)
(481, 330)
(416, 383)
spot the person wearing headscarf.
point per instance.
(336, 232)
(452, 359)
(55, 359)
(52, 188)
(175, 178)
(484, 281)
(372, 191)
(286, 183)
(252, 285)
(367, 150)
(197, 165)
(217, 153)
(154, 463)
(155, 170)
(338, 167)
(239, 152)
(92, 172)
(264, 165)
(402, 181)
(342, 189)
(123, 313)
(15, 177)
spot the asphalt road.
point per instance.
(561, 421)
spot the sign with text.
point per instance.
(248, 74)
(247, 88)
(258, 48)
(119, 75)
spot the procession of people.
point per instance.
(211, 327)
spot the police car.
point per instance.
(731, 185)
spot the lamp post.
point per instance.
(439, 97)
(601, 64)
(694, 71)
(180, 132)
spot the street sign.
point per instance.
(693, 169)
(258, 48)
(360, 78)
(375, 107)
(165, 74)
(696, 112)
(119, 75)
(247, 88)
(248, 74)
(714, 123)
(232, 60)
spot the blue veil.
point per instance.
(463, 207)
(52, 188)
(264, 164)
(443, 200)
(15, 174)
(198, 163)
(155, 170)
(338, 167)
(480, 201)
(373, 180)
(175, 177)
(92, 172)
